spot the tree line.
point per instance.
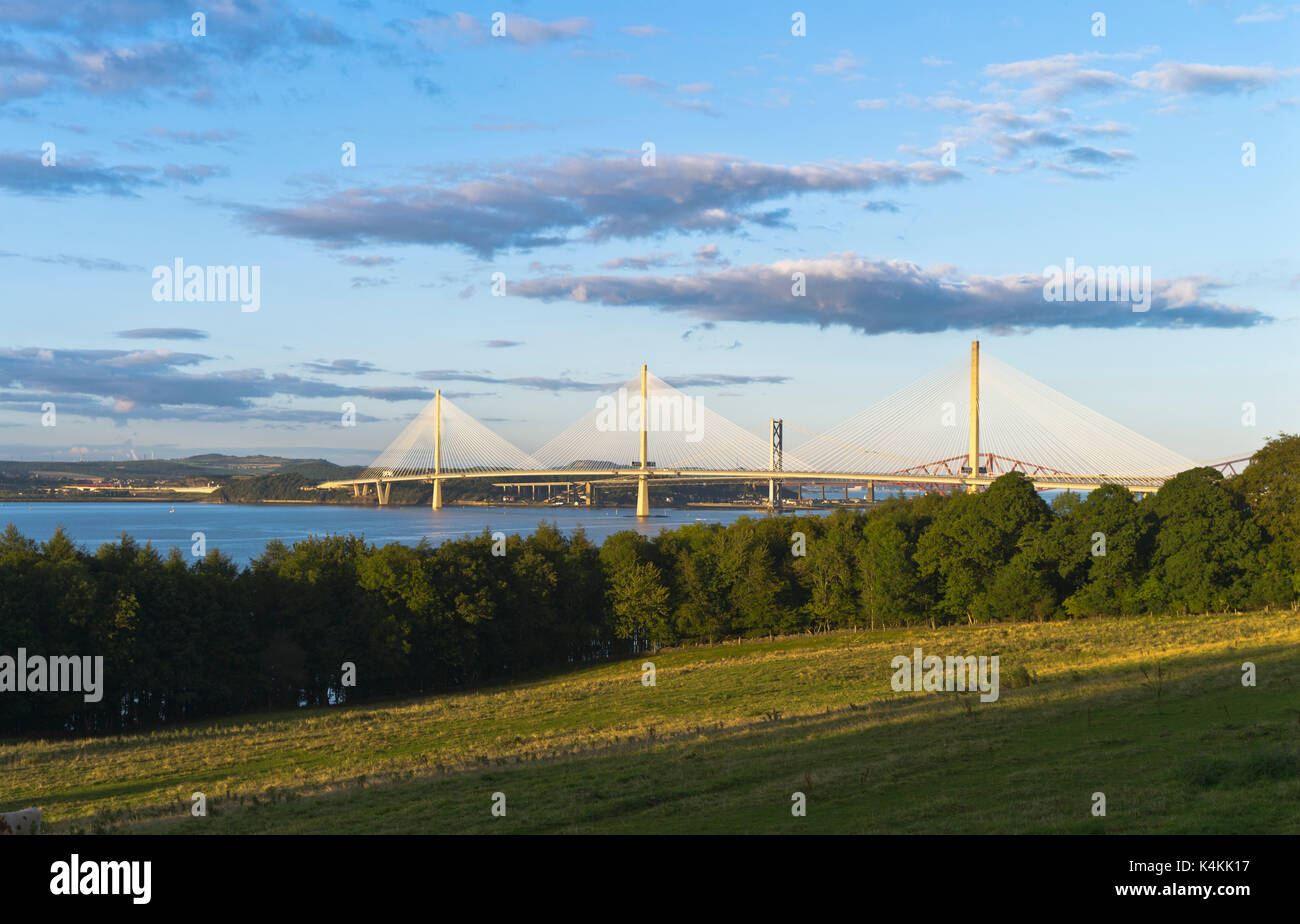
(185, 639)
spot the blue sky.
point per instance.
(522, 154)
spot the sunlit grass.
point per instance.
(729, 732)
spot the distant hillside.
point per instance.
(171, 479)
(289, 485)
(209, 466)
(319, 469)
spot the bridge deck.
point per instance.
(1043, 481)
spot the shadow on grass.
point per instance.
(918, 762)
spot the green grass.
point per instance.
(730, 732)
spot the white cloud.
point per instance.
(846, 65)
(1177, 77)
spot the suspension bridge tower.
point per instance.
(775, 462)
(643, 479)
(973, 462)
(437, 450)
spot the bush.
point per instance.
(1277, 763)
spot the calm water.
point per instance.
(242, 531)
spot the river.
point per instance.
(241, 531)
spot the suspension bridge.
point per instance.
(958, 428)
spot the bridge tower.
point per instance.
(775, 463)
(437, 450)
(973, 460)
(643, 479)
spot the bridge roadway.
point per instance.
(1047, 482)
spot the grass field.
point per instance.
(1149, 711)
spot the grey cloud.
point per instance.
(660, 89)
(158, 384)
(343, 367)
(542, 383)
(1087, 154)
(1078, 173)
(89, 263)
(211, 136)
(645, 262)
(193, 175)
(1009, 145)
(1103, 128)
(519, 30)
(26, 175)
(367, 261)
(887, 296)
(1263, 14)
(703, 107)
(538, 383)
(397, 393)
(711, 254)
(86, 407)
(724, 380)
(844, 65)
(163, 333)
(20, 86)
(604, 198)
(426, 86)
(1054, 78)
(1289, 103)
(526, 31)
(1000, 124)
(640, 82)
(86, 17)
(511, 127)
(124, 47)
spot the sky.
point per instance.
(640, 183)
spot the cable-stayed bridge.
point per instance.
(960, 427)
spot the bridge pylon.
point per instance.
(437, 450)
(973, 460)
(774, 462)
(643, 480)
